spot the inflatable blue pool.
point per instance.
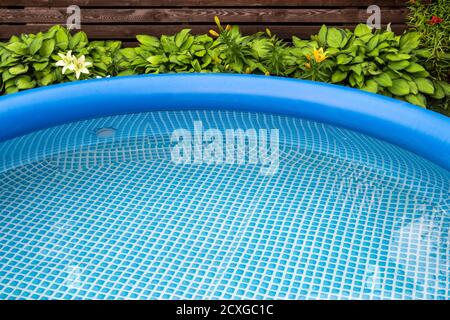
(221, 187)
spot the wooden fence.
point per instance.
(123, 19)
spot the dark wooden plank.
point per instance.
(130, 31)
(201, 3)
(242, 15)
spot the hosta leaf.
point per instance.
(383, 80)
(425, 85)
(12, 89)
(155, 59)
(47, 48)
(373, 42)
(439, 92)
(25, 82)
(35, 45)
(129, 53)
(397, 56)
(418, 100)
(181, 37)
(6, 76)
(323, 35)
(18, 48)
(445, 86)
(148, 40)
(413, 87)
(362, 29)
(409, 41)
(414, 68)
(78, 40)
(19, 69)
(356, 69)
(400, 87)
(46, 80)
(343, 59)
(338, 76)
(370, 86)
(334, 38)
(39, 66)
(400, 65)
(126, 73)
(62, 40)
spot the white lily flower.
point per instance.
(66, 61)
(81, 66)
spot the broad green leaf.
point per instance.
(39, 66)
(46, 80)
(334, 38)
(181, 37)
(79, 39)
(356, 69)
(196, 65)
(414, 68)
(373, 42)
(6, 75)
(370, 86)
(417, 100)
(148, 40)
(400, 65)
(399, 87)
(129, 53)
(323, 35)
(155, 59)
(338, 76)
(397, 56)
(35, 45)
(362, 29)
(446, 87)
(25, 82)
(409, 41)
(384, 80)
(18, 48)
(439, 92)
(126, 73)
(47, 48)
(413, 87)
(343, 59)
(62, 40)
(19, 69)
(425, 85)
(11, 89)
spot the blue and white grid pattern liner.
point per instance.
(346, 216)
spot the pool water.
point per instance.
(98, 209)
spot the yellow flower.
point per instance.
(308, 56)
(213, 33)
(228, 28)
(248, 70)
(308, 65)
(269, 33)
(319, 55)
(267, 73)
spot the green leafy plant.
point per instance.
(432, 22)
(380, 62)
(29, 61)
(377, 61)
